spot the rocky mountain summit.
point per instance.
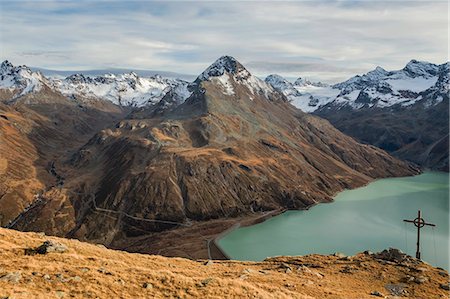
(88, 270)
(404, 112)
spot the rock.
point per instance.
(346, 258)
(209, 263)
(76, 278)
(443, 273)
(121, 281)
(263, 272)
(104, 271)
(46, 277)
(84, 269)
(12, 277)
(445, 286)
(304, 269)
(396, 289)
(348, 270)
(51, 246)
(248, 271)
(421, 269)
(319, 275)
(376, 293)
(206, 281)
(60, 294)
(421, 279)
(286, 267)
(147, 285)
(101, 246)
(308, 282)
(368, 252)
(392, 255)
(339, 255)
(408, 278)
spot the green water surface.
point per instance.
(367, 218)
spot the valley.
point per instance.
(224, 149)
(167, 171)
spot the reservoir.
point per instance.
(367, 218)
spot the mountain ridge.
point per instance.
(404, 112)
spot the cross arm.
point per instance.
(424, 223)
(430, 224)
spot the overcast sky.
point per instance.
(328, 40)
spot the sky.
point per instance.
(328, 41)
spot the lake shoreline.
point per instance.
(246, 253)
(239, 224)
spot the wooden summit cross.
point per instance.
(419, 222)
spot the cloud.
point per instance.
(327, 40)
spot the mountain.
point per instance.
(16, 81)
(38, 126)
(124, 89)
(404, 112)
(282, 85)
(50, 73)
(127, 90)
(376, 89)
(235, 149)
(303, 94)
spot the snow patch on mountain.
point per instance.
(303, 94)
(416, 84)
(224, 80)
(311, 97)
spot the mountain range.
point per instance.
(152, 164)
(404, 112)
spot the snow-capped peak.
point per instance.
(20, 78)
(377, 72)
(278, 82)
(226, 70)
(282, 85)
(225, 64)
(416, 68)
(6, 66)
(304, 82)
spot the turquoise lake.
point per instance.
(367, 218)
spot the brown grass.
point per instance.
(90, 271)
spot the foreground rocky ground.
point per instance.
(30, 267)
